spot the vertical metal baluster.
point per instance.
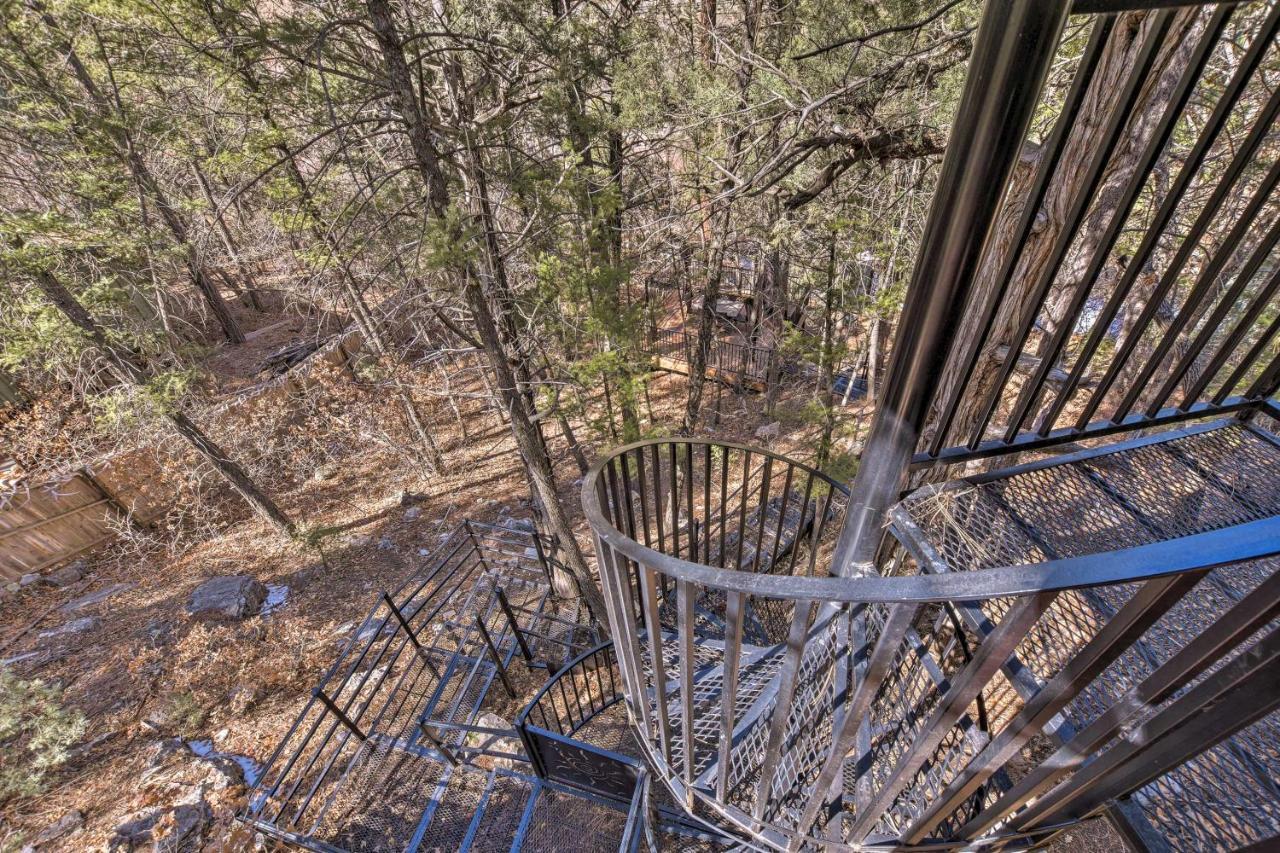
(760, 519)
(688, 488)
(782, 521)
(1242, 691)
(1244, 155)
(659, 667)
(987, 660)
(804, 511)
(1053, 149)
(1189, 168)
(644, 498)
(1229, 630)
(723, 510)
(1250, 358)
(1119, 634)
(632, 579)
(1204, 282)
(657, 498)
(899, 619)
(819, 525)
(733, 611)
(675, 499)
(1259, 304)
(684, 599)
(706, 503)
(742, 505)
(788, 682)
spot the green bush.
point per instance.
(36, 732)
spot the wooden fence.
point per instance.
(44, 524)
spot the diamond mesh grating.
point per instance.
(1193, 483)
(1130, 497)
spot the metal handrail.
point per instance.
(732, 675)
(1247, 541)
(603, 650)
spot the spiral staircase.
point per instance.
(1086, 627)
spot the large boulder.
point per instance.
(230, 597)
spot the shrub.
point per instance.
(36, 732)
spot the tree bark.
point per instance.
(352, 292)
(1117, 62)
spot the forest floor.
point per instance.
(144, 672)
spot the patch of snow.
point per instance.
(252, 769)
(277, 595)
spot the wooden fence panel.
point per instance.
(43, 525)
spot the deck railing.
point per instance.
(807, 708)
(731, 360)
(409, 681)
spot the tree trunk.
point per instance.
(224, 233)
(131, 371)
(351, 290)
(1117, 62)
(109, 118)
(528, 439)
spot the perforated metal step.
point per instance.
(1212, 478)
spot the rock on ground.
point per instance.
(94, 597)
(65, 825)
(769, 432)
(75, 626)
(231, 596)
(67, 575)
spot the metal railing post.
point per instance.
(475, 544)
(542, 558)
(1012, 54)
(497, 658)
(515, 627)
(417, 647)
(338, 712)
(431, 736)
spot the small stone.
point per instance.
(28, 579)
(385, 544)
(67, 575)
(162, 752)
(231, 596)
(65, 825)
(769, 432)
(186, 829)
(135, 832)
(75, 626)
(524, 524)
(422, 552)
(159, 633)
(224, 772)
(241, 698)
(95, 597)
(413, 513)
(358, 541)
(508, 745)
(325, 471)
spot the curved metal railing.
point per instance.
(892, 708)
